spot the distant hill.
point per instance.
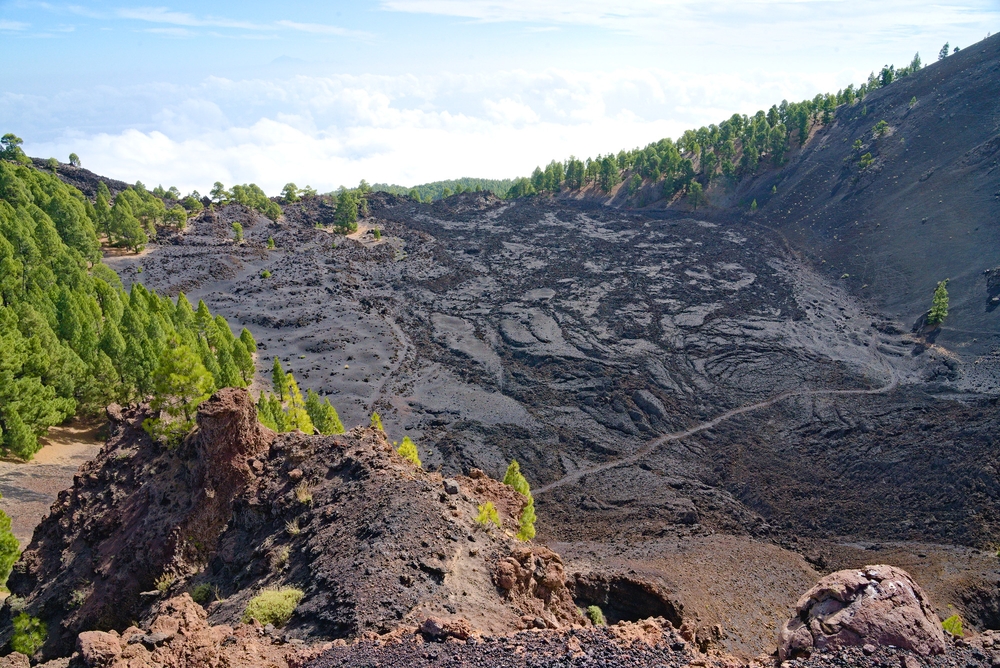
(437, 189)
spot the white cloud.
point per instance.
(13, 25)
(321, 29)
(331, 131)
(164, 15)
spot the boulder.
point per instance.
(98, 649)
(877, 605)
(14, 660)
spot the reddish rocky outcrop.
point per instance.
(180, 635)
(138, 515)
(533, 578)
(375, 544)
(876, 605)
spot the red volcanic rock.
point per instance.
(878, 605)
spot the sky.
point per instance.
(410, 91)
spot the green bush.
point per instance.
(273, 606)
(10, 549)
(408, 449)
(29, 634)
(953, 626)
(265, 274)
(596, 616)
(487, 513)
(202, 593)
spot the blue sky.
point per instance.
(409, 91)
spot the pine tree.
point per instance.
(10, 550)
(323, 415)
(180, 383)
(278, 381)
(126, 226)
(224, 335)
(408, 449)
(247, 338)
(229, 373)
(333, 425)
(939, 304)
(184, 317)
(526, 523)
(514, 479)
(297, 418)
(210, 361)
(17, 436)
(377, 422)
(243, 360)
(277, 413)
(264, 413)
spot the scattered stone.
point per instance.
(451, 487)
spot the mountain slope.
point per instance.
(926, 209)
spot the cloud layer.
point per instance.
(404, 129)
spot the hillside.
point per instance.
(925, 210)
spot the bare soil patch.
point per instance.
(30, 488)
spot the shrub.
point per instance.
(237, 232)
(29, 634)
(377, 422)
(270, 242)
(866, 161)
(280, 556)
(302, 493)
(77, 599)
(953, 626)
(487, 513)
(880, 128)
(408, 449)
(292, 527)
(164, 581)
(377, 234)
(273, 606)
(596, 616)
(202, 593)
(265, 274)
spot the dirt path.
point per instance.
(679, 435)
(30, 488)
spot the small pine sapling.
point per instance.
(487, 513)
(377, 422)
(408, 449)
(939, 304)
(953, 626)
